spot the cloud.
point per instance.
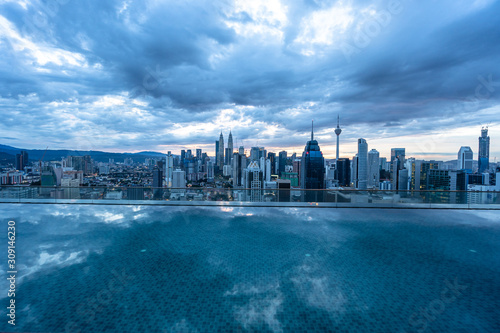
(150, 75)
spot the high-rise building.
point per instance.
(483, 155)
(465, 158)
(227, 156)
(198, 154)
(216, 152)
(254, 181)
(282, 157)
(241, 150)
(343, 171)
(373, 168)
(220, 161)
(312, 170)
(169, 169)
(179, 179)
(337, 132)
(397, 163)
(183, 156)
(272, 158)
(230, 147)
(354, 170)
(361, 182)
(21, 160)
(157, 182)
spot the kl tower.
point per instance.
(338, 131)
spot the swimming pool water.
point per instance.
(87, 268)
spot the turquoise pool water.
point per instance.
(85, 268)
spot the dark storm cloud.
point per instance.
(187, 61)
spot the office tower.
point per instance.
(397, 157)
(230, 146)
(337, 132)
(21, 160)
(397, 163)
(403, 179)
(241, 150)
(343, 171)
(183, 157)
(268, 170)
(236, 170)
(157, 177)
(216, 152)
(254, 181)
(465, 158)
(227, 156)
(281, 162)
(220, 161)
(362, 175)
(157, 182)
(312, 170)
(373, 168)
(179, 179)
(272, 158)
(210, 171)
(354, 171)
(169, 169)
(189, 154)
(383, 163)
(484, 151)
(198, 154)
(82, 163)
(254, 153)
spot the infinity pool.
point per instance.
(85, 268)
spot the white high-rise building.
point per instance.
(465, 158)
(179, 179)
(268, 170)
(362, 164)
(373, 168)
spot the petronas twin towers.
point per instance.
(220, 152)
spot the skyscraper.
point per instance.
(397, 163)
(484, 151)
(216, 152)
(362, 164)
(21, 160)
(343, 171)
(157, 182)
(373, 168)
(465, 157)
(282, 156)
(337, 132)
(272, 158)
(220, 162)
(230, 147)
(169, 169)
(312, 170)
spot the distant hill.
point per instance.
(8, 153)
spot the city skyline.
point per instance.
(169, 76)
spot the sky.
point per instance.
(150, 75)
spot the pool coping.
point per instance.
(389, 205)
